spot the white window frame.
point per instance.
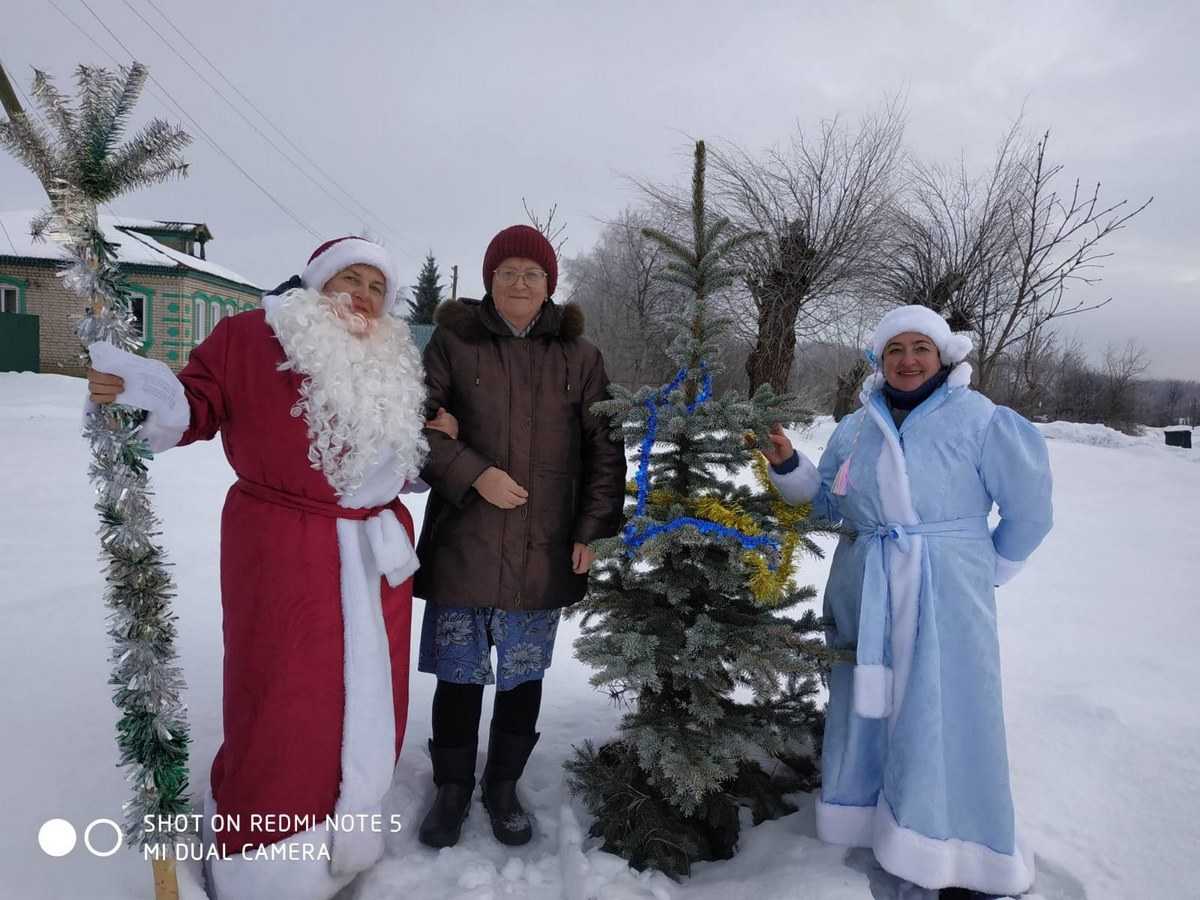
(6, 305)
(199, 320)
(135, 298)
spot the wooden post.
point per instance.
(8, 96)
(166, 881)
(454, 283)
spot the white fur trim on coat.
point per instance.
(350, 252)
(845, 826)
(369, 719)
(873, 691)
(903, 566)
(953, 348)
(926, 861)
(799, 485)
(304, 876)
(1006, 570)
(934, 863)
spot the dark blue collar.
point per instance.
(908, 400)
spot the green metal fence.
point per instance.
(19, 343)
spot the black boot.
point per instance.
(454, 775)
(507, 754)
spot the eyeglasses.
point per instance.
(509, 277)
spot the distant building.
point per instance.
(178, 295)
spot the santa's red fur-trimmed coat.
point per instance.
(283, 673)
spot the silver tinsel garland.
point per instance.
(152, 733)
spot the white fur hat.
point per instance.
(341, 253)
(922, 320)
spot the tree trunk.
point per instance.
(848, 384)
(770, 362)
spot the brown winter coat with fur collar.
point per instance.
(524, 406)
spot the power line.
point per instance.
(201, 129)
(8, 237)
(212, 142)
(243, 116)
(362, 206)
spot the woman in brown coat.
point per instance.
(532, 479)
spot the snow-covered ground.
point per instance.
(1100, 637)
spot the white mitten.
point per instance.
(149, 383)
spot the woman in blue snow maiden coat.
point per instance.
(914, 762)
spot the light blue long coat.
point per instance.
(914, 760)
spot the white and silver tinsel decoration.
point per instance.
(152, 731)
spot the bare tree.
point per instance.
(553, 232)
(948, 239)
(1122, 368)
(819, 208)
(615, 282)
(998, 254)
(1173, 395)
(820, 205)
(1056, 243)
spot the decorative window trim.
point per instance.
(146, 294)
(199, 319)
(17, 284)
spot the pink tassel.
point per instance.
(841, 482)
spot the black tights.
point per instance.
(457, 709)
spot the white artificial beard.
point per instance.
(362, 396)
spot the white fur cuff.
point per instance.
(1006, 569)
(158, 435)
(799, 485)
(873, 691)
(845, 826)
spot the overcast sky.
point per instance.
(440, 117)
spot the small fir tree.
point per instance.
(427, 293)
(687, 605)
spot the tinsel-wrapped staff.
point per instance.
(82, 164)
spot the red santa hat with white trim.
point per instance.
(953, 347)
(341, 253)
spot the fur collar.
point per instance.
(473, 320)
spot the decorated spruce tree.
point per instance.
(82, 161)
(692, 618)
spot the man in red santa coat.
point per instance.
(318, 398)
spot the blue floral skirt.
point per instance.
(456, 644)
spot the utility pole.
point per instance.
(454, 282)
(8, 97)
(12, 106)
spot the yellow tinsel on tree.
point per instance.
(767, 586)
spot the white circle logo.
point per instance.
(87, 837)
(57, 837)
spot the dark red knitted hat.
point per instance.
(526, 243)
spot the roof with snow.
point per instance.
(133, 247)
